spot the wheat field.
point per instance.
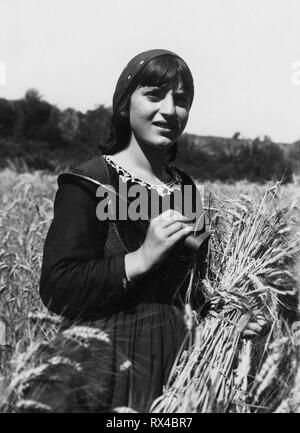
(32, 350)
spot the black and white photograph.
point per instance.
(150, 209)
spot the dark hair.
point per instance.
(164, 70)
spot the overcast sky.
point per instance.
(241, 53)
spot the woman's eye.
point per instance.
(182, 100)
(155, 94)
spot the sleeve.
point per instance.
(76, 280)
(202, 254)
(197, 298)
(195, 201)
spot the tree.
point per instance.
(68, 124)
(7, 118)
(95, 125)
(36, 114)
(294, 156)
(32, 95)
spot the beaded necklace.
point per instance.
(162, 189)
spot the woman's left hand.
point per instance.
(258, 326)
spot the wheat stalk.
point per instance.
(252, 272)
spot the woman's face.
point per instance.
(158, 115)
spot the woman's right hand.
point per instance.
(163, 233)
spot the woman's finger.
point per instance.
(170, 216)
(253, 326)
(258, 315)
(249, 334)
(180, 234)
(265, 327)
(262, 321)
(173, 228)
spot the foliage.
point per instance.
(38, 135)
(211, 158)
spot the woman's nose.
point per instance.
(167, 104)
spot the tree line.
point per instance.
(35, 134)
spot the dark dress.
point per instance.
(86, 282)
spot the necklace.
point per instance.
(162, 189)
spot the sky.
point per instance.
(244, 56)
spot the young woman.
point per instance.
(130, 277)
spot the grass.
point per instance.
(254, 246)
(26, 209)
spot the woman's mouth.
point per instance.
(165, 126)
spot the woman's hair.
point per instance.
(164, 70)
